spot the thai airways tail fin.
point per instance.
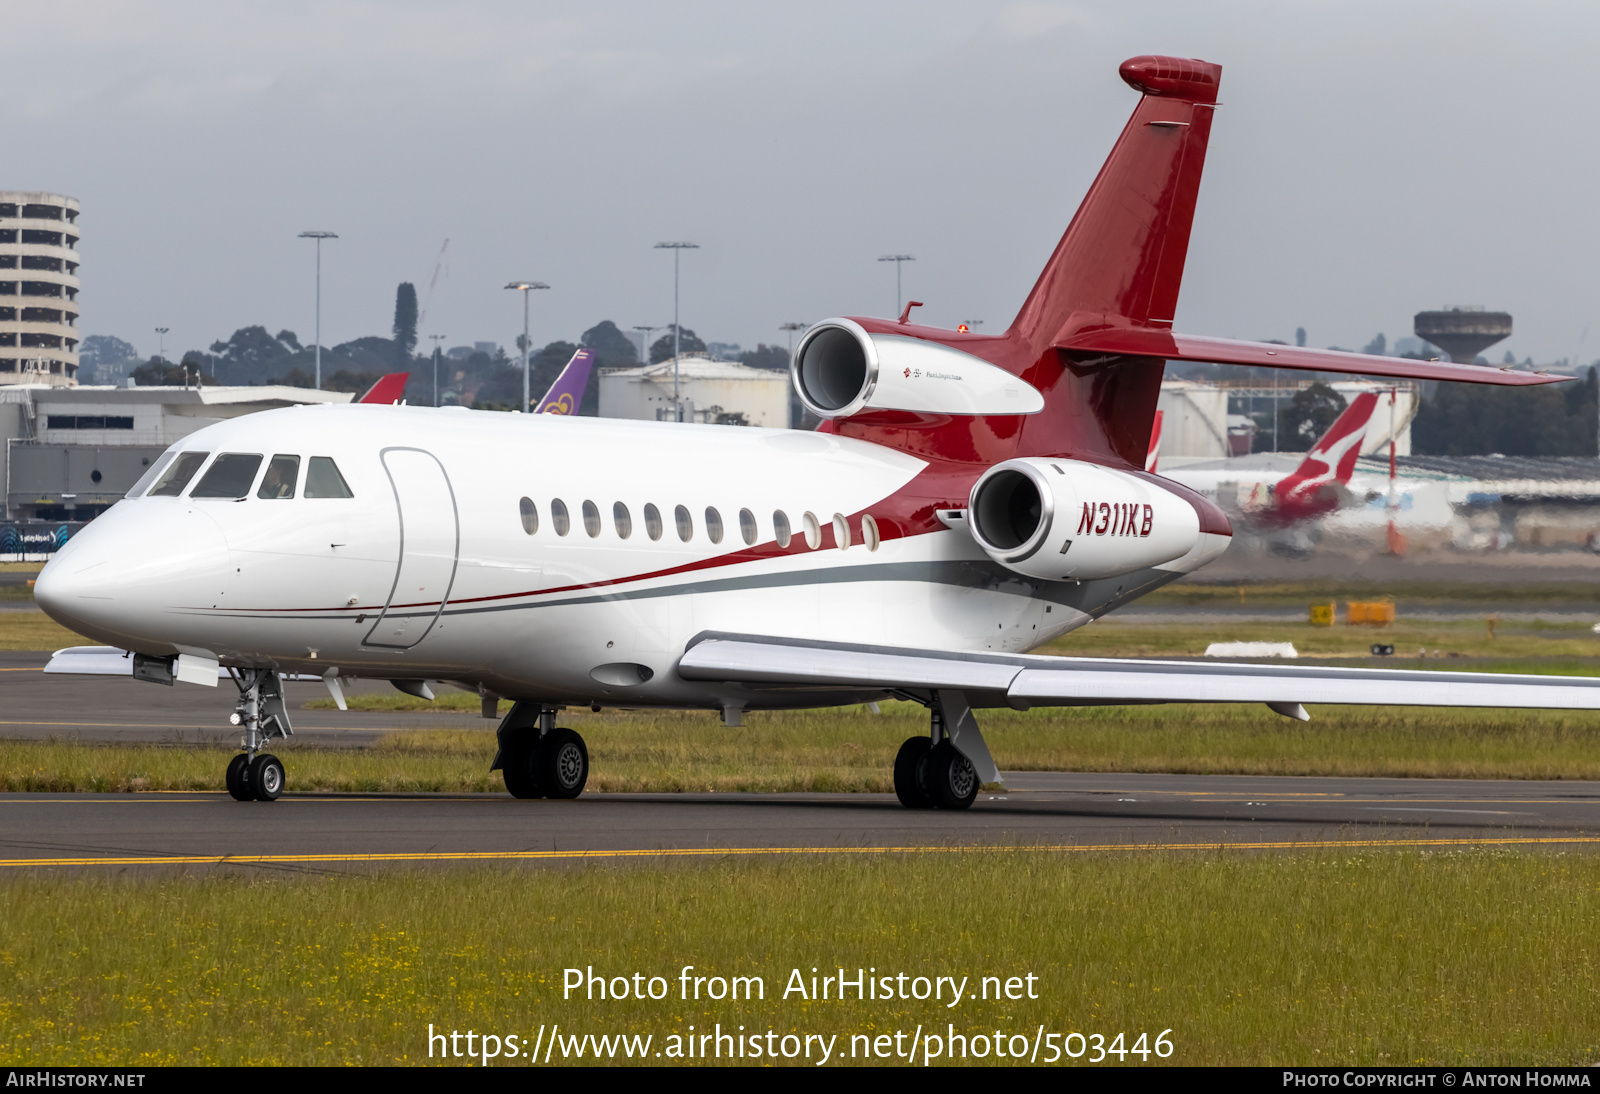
(1333, 458)
(566, 394)
(388, 390)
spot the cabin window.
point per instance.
(841, 532)
(324, 481)
(685, 523)
(178, 475)
(713, 524)
(229, 477)
(747, 527)
(652, 522)
(813, 530)
(558, 516)
(591, 518)
(622, 519)
(780, 527)
(530, 515)
(869, 532)
(150, 476)
(278, 482)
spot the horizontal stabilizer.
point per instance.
(1030, 680)
(1156, 342)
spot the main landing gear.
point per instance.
(254, 775)
(945, 769)
(538, 758)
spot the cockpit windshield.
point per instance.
(150, 476)
(280, 478)
(178, 474)
(229, 477)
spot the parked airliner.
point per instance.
(967, 498)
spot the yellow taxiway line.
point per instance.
(704, 852)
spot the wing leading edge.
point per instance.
(1024, 680)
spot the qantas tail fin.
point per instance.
(1333, 458)
(388, 390)
(1121, 260)
(566, 394)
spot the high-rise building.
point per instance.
(38, 288)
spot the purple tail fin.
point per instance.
(566, 394)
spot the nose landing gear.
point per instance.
(254, 775)
(539, 759)
(945, 769)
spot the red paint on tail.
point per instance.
(388, 390)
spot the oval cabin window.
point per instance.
(530, 515)
(713, 525)
(622, 519)
(747, 527)
(652, 522)
(780, 527)
(559, 518)
(591, 519)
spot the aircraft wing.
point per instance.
(1024, 680)
(1158, 342)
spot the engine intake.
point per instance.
(1066, 519)
(840, 369)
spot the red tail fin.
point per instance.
(1333, 458)
(1121, 259)
(1153, 456)
(389, 389)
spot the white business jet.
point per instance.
(967, 498)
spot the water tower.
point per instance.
(1463, 333)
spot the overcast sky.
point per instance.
(1373, 159)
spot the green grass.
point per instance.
(1498, 587)
(1470, 957)
(36, 631)
(848, 749)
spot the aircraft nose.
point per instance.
(128, 576)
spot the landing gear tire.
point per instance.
(562, 763)
(908, 781)
(522, 781)
(266, 779)
(950, 778)
(236, 778)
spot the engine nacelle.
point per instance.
(840, 369)
(1065, 519)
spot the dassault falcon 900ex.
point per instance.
(967, 498)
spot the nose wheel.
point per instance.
(254, 775)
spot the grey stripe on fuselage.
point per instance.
(1093, 598)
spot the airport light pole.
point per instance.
(161, 354)
(898, 260)
(437, 338)
(644, 358)
(791, 328)
(676, 249)
(525, 287)
(319, 237)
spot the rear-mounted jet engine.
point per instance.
(839, 370)
(1064, 519)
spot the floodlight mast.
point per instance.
(319, 237)
(676, 249)
(437, 338)
(791, 328)
(525, 287)
(897, 260)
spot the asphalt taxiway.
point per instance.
(1074, 812)
(1070, 812)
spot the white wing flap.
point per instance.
(91, 661)
(1042, 681)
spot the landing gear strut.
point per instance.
(945, 769)
(538, 758)
(254, 775)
